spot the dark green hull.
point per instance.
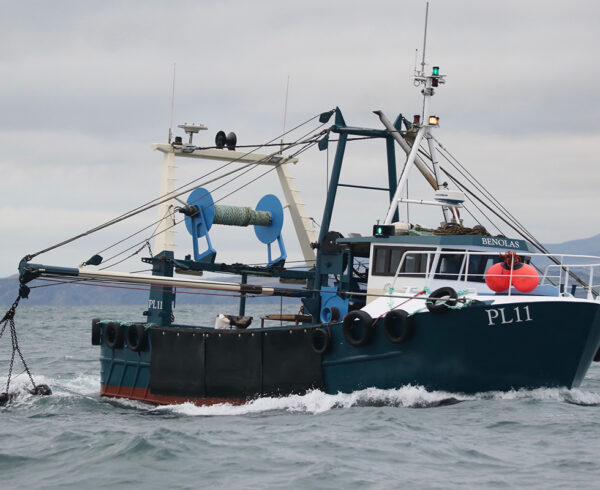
(543, 344)
(459, 351)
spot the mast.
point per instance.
(425, 124)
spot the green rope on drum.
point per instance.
(240, 216)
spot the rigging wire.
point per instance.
(154, 202)
(479, 186)
(511, 225)
(308, 145)
(241, 171)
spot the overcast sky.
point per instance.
(86, 88)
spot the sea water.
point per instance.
(403, 438)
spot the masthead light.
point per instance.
(434, 120)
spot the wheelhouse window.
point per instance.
(386, 260)
(478, 264)
(451, 266)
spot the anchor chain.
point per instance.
(9, 319)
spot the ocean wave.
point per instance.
(316, 401)
(409, 396)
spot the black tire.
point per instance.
(597, 356)
(358, 328)
(96, 331)
(441, 299)
(320, 340)
(136, 337)
(398, 326)
(113, 335)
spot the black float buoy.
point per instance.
(42, 390)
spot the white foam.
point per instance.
(82, 384)
(318, 402)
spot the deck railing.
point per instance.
(569, 271)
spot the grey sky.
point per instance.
(86, 89)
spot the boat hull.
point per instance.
(475, 349)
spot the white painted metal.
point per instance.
(421, 201)
(127, 277)
(225, 155)
(165, 232)
(449, 197)
(404, 177)
(302, 223)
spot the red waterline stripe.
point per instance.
(144, 395)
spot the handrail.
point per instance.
(463, 273)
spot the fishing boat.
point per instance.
(450, 308)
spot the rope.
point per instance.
(458, 229)
(390, 291)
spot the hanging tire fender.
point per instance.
(358, 328)
(136, 337)
(398, 326)
(441, 299)
(320, 340)
(113, 335)
(96, 332)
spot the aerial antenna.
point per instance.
(172, 105)
(425, 38)
(287, 90)
(416, 56)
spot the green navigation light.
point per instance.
(436, 71)
(383, 230)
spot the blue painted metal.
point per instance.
(392, 175)
(498, 244)
(269, 234)
(330, 299)
(199, 225)
(160, 303)
(122, 366)
(367, 187)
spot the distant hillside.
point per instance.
(89, 294)
(583, 246)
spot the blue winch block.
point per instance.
(330, 302)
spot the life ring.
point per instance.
(320, 340)
(114, 335)
(441, 299)
(96, 331)
(136, 337)
(358, 328)
(398, 326)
